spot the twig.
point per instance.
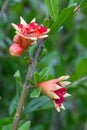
(26, 86)
(4, 7)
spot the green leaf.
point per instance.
(83, 4)
(48, 23)
(6, 121)
(48, 105)
(7, 127)
(25, 126)
(36, 92)
(30, 82)
(81, 68)
(83, 37)
(75, 1)
(44, 74)
(52, 6)
(64, 15)
(18, 78)
(36, 104)
(36, 77)
(13, 105)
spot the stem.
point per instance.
(26, 86)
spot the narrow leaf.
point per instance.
(13, 105)
(52, 6)
(64, 15)
(18, 78)
(83, 4)
(36, 104)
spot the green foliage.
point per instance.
(6, 121)
(72, 3)
(36, 92)
(83, 4)
(5, 124)
(42, 76)
(36, 104)
(82, 64)
(25, 126)
(64, 15)
(13, 105)
(18, 78)
(7, 127)
(52, 7)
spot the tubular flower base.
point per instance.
(55, 89)
(31, 31)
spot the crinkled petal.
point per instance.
(26, 37)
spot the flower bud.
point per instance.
(55, 90)
(16, 49)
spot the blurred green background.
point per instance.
(65, 52)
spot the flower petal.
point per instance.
(33, 20)
(52, 95)
(62, 107)
(22, 21)
(63, 78)
(67, 95)
(48, 30)
(31, 38)
(64, 83)
(56, 106)
(15, 27)
(43, 36)
(57, 87)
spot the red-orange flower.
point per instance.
(55, 89)
(31, 31)
(26, 35)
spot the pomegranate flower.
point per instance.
(55, 89)
(31, 31)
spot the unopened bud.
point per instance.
(16, 49)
